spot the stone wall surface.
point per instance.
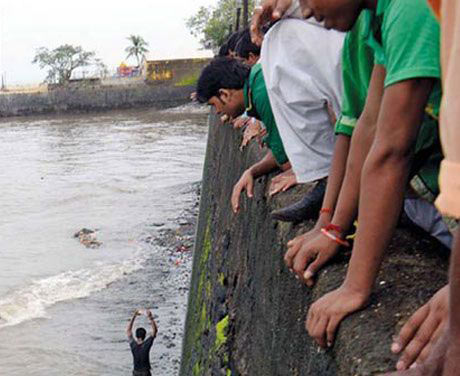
(94, 98)
(246, 311)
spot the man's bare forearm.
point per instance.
(381, 198)
(129, 329)
(264, 166)
(337, 171)
(361, 141)
(154, 326)
(384, 178)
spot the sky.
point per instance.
(96, 25)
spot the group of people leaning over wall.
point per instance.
(360, 98)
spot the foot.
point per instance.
(304, 209)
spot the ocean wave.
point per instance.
(189, 108)
(32, 301)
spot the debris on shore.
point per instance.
(87, 237)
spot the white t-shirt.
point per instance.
(301, 63)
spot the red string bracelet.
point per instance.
(334, 238)
(332, 227)
(325, 211)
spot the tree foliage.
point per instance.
(62, 61)
(213, 24)
(138, 48)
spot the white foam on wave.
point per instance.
(189, 108)
(32, 301)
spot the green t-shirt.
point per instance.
(258, 105)
(404, 37)
(357, 65)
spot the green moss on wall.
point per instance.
(221, 332)
(197, 370)
(190, 80)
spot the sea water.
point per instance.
(64, 307)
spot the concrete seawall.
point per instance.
(246, 311)
(94, 99)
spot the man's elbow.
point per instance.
(390, 157)
(392, 153)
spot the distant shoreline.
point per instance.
(94, 98)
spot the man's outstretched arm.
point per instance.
(310, 255)
(383, 183)
(153, 324)
(246, 182)
(129, 329)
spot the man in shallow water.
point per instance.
(140, 347)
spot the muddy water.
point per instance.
(63, 307)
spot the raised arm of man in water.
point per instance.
(129, 329)
(153, 323)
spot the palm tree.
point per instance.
(138, 47)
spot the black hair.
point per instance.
(245, 46)
(223, 50)
(140, 333)
(221, 73)
(233, 40)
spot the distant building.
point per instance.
(128, 71)
(177, 72)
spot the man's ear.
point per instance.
(224, 95)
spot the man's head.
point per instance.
(246, 50)
(140, 334)
(336, 14)
(223, 50)
(231, 43)
(221, 85)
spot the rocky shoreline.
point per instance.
(176, 242)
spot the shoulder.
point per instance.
(256, 74)
(132, 342)
(410, 13)
(149, 341)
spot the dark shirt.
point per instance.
(141, 353)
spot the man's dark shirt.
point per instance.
(141, 353)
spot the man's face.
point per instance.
(230, 102)
(250, 61)
(337, 14)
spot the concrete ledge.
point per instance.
(246, 311)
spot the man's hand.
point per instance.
(282, 182)
(326, 313)
(307, 258)
(422, 330)
(269, 11)
(436, 364)
(240, 122)
(246, 182)
(298, 242)
(253, 130)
